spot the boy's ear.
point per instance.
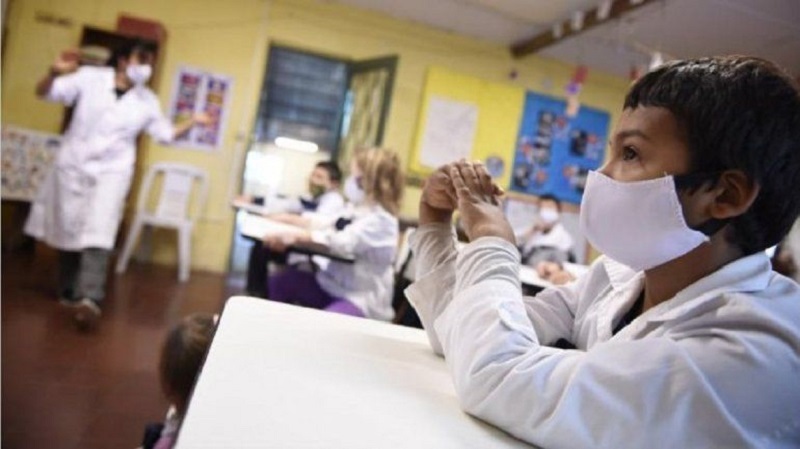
(736, 192)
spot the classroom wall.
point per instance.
(232, 37)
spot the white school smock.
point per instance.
(716, 366)
(330, 206)
(368, 283)
(80, 202)
(558, 238)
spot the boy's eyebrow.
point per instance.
(632, 133)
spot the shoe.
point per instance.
(87, 314)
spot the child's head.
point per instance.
(381, 177)
(325, 177)
(731, 121)
(182, 355)
(549, 209)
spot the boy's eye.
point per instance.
(628, 153)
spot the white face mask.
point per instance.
(549, 216)
(352, 191)
(139, 74)
(639, 224)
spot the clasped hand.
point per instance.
(468, 188)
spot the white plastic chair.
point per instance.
(172, 211)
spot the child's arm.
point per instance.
(434, 250)
(625, 392)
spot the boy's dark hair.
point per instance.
(737, 113)
(550, 197)
(135, 45)
(333, 170)
(182, 355)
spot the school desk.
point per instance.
(256, 227)
(282, 376)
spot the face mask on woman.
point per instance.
(139, 74)
(353, 191)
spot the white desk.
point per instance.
(279, 376)
(256, 227)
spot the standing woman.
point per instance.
(369, 233)
(80, 204)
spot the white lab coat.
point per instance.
(81, 201)
(372, 240)
(330, 206)
(557, 238)
(716, 366)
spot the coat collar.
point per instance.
(745, 275)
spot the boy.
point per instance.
(321, 210)
(547, 240)
(684, 336)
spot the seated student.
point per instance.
(369, 234)
(181, 358)
(683, 334)
(319, 211)
(547, 240)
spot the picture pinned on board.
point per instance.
(555, 151)
(495, 166)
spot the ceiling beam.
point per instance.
(547, 38)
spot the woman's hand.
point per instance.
(478, 202)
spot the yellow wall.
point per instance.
(231, 37)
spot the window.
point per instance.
(302, 98)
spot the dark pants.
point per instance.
(300, 287)
(83, 274)
(258, 269)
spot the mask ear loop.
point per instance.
(693, 182)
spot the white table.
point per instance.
(280, 376)
(256, 227)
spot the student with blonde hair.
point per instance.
(368, 233)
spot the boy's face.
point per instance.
(647, 143)
(321, 177)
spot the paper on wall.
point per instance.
(449, 131)
(194, 91)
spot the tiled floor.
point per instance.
(70, 390)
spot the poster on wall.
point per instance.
(195, 91)
(449, 131)
(27, 157)
(554, 153)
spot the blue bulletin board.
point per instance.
(554, 153)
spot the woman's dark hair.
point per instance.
(182, 355)
(333, 170)
(135, 45)
(736, 113)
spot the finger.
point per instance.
(470, 179)
(460, 187)
(484, 177)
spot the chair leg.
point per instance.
(130, 243)
(184, 253)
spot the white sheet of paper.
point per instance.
(260, 227)
(449, 132)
